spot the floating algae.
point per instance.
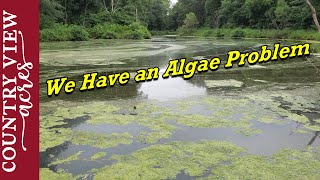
(115, 119)
(301, 131)
(196, 120)
(156, 117)
(244, 126)
(227, 161)
(50, 136)
(236, 111)
(50, 121)
(158, 125)
(297, 104)
(97, 54)
(239, 113)
(153, 137)
(286, 164)
(53, 137)
(58, 113)
(83, 109)
(100, 140)
(312, 127)
(184, 106)
(223, 116)
(67, 159)
(167, 160)
(225, 102)
(47, 174)
(98, 155)
(247, 131)
(148, 114)
(270, 119)
(147, 108)
(223, 83)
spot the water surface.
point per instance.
(277, 105)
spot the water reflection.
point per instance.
(171, 88)
(316, 134)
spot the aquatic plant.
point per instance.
(67, 159)
(53, 137)
(47, 174)
(98, 155)
(167, 160)
(286, 164)
(223, 83)
(100, 140)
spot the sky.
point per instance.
(174, 1)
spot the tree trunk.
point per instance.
(314, 15)
(136, 15)
(65, 11)
(85, 12)
(111, 5)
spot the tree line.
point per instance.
(158, 15)
(88, 13)
(258, 14)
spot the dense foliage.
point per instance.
(100, 18)
(88, 13)
(259, 14)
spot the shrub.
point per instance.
(99, 31)
(109, 35)
(281, 34)
(78, 33)
(64, 33)
(115, 31)
(133, 35)
(57, 33)
(238, 34)
(220, 34)
(260, 33)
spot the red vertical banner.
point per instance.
(19, 89)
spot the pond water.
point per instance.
(210, 126)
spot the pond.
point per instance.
(255, 122)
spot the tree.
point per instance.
(183, 7)
(212, 8)
(314, 15)
(191, 21)
(50, 12)
(281, 13)
(299, 14)
(157, 15)
(190, 24)
(256, 11)
(232, 13)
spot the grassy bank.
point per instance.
(136, 31)
(258, 33)
(101, 31)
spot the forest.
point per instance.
(137, 19)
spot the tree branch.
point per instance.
(314, 15)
